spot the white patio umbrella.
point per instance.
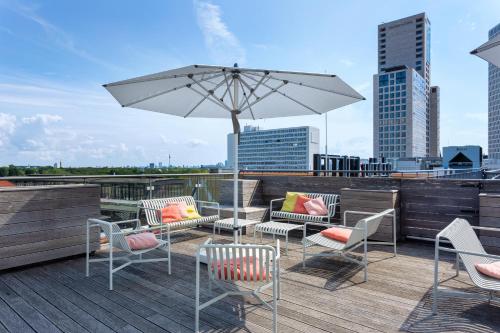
(203, 91)
(489, 51)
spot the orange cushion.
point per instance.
(299, 204)
(338, 234)
(182, 208)
(145, 240)
(241, 272)
(492, 269)
(171, 213)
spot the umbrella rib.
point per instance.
(220, 103)
(246, 99)
(162, 93)
(203, 99)
(263, 96)
(226, 91)
(312, 87)
(139, 80)
(229, 89)
(286, 96)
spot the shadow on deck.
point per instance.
(327, 296)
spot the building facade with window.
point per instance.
(406, 43)
(291, 148)
(399, 123)
(494, 109)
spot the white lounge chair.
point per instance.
(256, 266)
(468, 249)
(117, 240)
(359, 237)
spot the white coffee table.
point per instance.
(229, 223)
(277, 229)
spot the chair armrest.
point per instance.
(485, 228)
(358, 213)
(276, 200)
(486, 255)
(209, 204)
(330, 213)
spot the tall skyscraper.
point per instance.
(404, 48)
(290, 148)
(494, 108)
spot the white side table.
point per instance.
(228, 224)
(277, 229)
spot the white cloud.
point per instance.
(222, 44)
(43, 118)
(7, 127)
(167, 141)
(347, 62)
(196, 143)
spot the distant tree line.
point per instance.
(13, 170)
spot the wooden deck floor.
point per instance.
(328, 296)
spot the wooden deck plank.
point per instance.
(327, 296)
(29, 314)
(56, 316)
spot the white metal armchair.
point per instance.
(468, 249)
(116, 238)
(359, 237)
(256, 266)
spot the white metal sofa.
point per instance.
(331, 202)
(116, 238)
(359, 237)
(257, 267)
(468, 249)
(152, 210)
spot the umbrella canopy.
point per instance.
(489, 51)
(203, 91)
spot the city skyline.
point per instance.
(55, 56)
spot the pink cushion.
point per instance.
(145, 240)
(492, 269)
(182, 208)
(252, 274)
(316, 207)
(338, 234)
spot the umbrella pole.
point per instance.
(235, 188)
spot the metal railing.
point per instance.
(203, 186)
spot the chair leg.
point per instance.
(436, 278)
(286, 244)
(169, 257)
(87, 255)
(110, 267)
(457, 265)
(275, 308)
(197, 305)
(366, 260)
(278, 266)
(303, 254)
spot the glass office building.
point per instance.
(494, 109)
(406, 43)
(400, 113)
(290, 148)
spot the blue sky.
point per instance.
(55, 55)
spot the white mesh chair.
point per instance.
(152, 210)
(468, 249)
(255, 267)
(331, 202)
(359, 237)
(117, 240)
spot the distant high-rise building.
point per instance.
(434, 120)
(405, 43)
(399, 122)
(290, 148)
(494, 109)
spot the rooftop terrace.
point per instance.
(327, 296)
